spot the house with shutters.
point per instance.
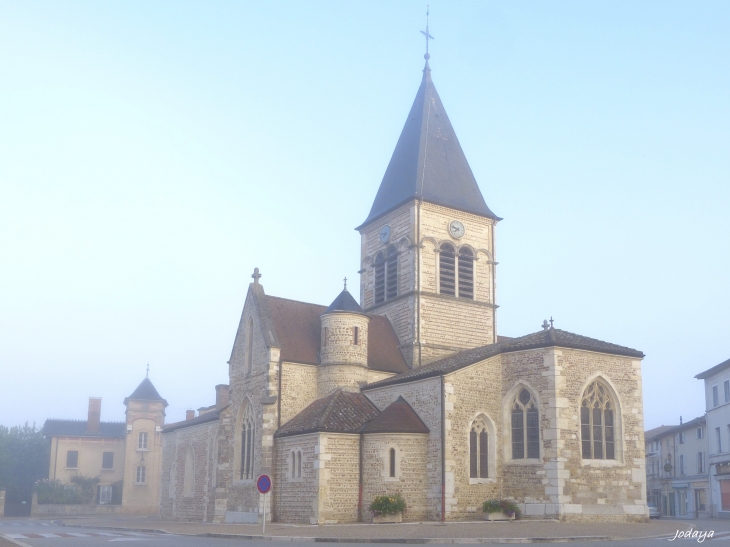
(124, 456)
(409, 388)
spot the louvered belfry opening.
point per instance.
(392, 273)
(447, 269)
(379, 278)
(466, 273)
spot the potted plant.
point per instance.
(387, 509)
(501, 510)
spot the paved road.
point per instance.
(36, 533)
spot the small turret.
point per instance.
(344, 345)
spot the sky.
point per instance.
(153, 153)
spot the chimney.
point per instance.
(94, 421)
(189, 415)
(221, 396)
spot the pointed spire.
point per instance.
(428, 162)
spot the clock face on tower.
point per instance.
(385, 234)
(456, 229)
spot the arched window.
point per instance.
(478, 450)
(447, 269)
(379, 278)
(299, 464)
(466, 273)
(249, 349)
(597, 419)
(247, 445)
(391, 466)
(189, 477)
(391, 269)
(525, 426)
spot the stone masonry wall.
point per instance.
(338, 466)
(299, 386)
(174, 504)
(347, 377)
(339, 347)
(472, 392)
(410, 481)
(424, 396)
(295, 497)
(605, 489)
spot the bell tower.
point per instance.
(427, 246)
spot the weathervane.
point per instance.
(427, 35)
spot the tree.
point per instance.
(24, 458)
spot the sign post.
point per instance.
(264, 485)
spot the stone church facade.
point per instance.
(412, 390)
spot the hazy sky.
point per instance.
(153, 153)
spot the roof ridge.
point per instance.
(292, 300)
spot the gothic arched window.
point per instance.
(478, 450)
(466, 273)
(386, 275)
(525, 426)
(247, 445)
(597, 422)
(447, 269)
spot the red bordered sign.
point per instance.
(264, 484)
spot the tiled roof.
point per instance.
(428, 162)
(298, 333)
(664, 430)
(714, 370)
(344, 302)
(77, 428)
(211, 416)
(540, 339)
(145, 391)
(398, 417)
(338, 412)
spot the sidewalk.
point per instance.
(525, 531)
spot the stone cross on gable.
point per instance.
(256, 276)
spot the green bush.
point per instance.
(388, 505)
(55, 492)
(85, 487)
(504, 506)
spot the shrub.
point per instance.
(388, 505)
(85, 487)
(55, 492)
(504, 506)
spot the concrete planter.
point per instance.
(500, 516)
(388, 519)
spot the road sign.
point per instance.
(264, 484)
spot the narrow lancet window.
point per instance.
(447, 273)
(466, 273)
(379, 278)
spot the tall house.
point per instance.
(143, 452)
(427, 246)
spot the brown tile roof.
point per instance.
(297, 331)
(398, 417)
(338, 412)
(541, 339)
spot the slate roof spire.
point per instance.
(428, 162)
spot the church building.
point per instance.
(412, 390)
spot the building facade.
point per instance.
(678, 481)
(717, 401)
(412, 390)
(124, 456)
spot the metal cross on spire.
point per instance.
(148, 370)
(427, 35)
(345, 283)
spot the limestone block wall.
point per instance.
(298, 387)
(295, 498)
(338, 344)
(424, 396)
(199, 504)
(410, 479)
(522, 479)
(347, 377)
(474, 392)
(338, 478)
(605, 489)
